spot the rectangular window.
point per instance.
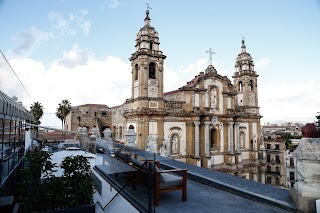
(291, 175)
(268, 158)
(277, 158)
(268, 146)
(291, 162)
(277, 147)
(103, 114)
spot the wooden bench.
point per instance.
(164, 180)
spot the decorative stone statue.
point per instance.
(131, 136)
(254, 144)
(94, 132)
(174, 143)
(84, 130)
(152, 143)
(79, 129)
(163, 149)
(107, 133)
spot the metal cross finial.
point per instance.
(210, 58)
(243, 38)
(148, 6)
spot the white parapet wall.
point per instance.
(306, 189)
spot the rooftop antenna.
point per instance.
(210, 57)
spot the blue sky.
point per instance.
(79, 49)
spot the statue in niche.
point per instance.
(254, 142)
(174, 143)
(213, 97)
(242, 139)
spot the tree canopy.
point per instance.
(37, 111)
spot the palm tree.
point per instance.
(63, 110)
(37, 111)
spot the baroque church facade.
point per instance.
(209, 122)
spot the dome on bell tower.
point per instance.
(147, 40)
(244, 62)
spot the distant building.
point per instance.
(276, 161)
(272, 130)
(291, 164)
(89, 115)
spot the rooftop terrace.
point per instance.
(207, 190)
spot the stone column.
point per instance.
(196, 139)
(237, 136)
(222, 138)
(255, 176)
(263, 177)
(230, 137)
(206, 138)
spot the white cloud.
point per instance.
(113, 3)
(174, 79)
(71, 25)
(82, 78)
(262, 63)
(28, 40)
(74, 57)
(294, 101)
(102, 81)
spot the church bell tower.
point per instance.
(147, 69)
(245, 81)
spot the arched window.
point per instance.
(152, 70)
(120, 131)
(251, 85)
(240, 86)
(136, 69)
(114, 131)
(151, 44)
(213, 139)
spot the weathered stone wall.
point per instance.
(119, 126)
(89, 116)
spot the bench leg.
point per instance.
(184, 194)
(156, 199)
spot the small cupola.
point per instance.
(244, 62)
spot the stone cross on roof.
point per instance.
(210, 58)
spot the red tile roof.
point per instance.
(171, 92)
